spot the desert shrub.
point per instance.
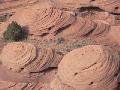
(74, 45)
(59, 40)
(14, 32)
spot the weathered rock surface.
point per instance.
(92, 67)
(55, 23)
(40, 20)
(56, 84)
(25, 57)
(71, 4)
(83, 27)
(99, 15)
(25, 66)
(111, 6)
(108, 5)
(12, 4)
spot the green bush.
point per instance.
(14, 32)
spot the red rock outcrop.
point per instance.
(92, 67)
(79, 28)
(56, 84)
(13, 4)
(108, 5)
(71, 4)
(83, 27)
(99, 15)
(25, 57)
(25, 66)
(40, 20)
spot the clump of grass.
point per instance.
(63, 46)
(74, 45)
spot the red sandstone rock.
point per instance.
(92, 67)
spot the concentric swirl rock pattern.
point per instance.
(25, 66)
(83, 27)
(40, 20)
(101, 28)
(62, 25)
(25, 57)
(92, 67)
(79, 28)
(99, 15)
(17, 55)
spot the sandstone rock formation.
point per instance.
(6, 85)
(101, 28)
(71, 4)
(99, 15)
(12, 55)
(83, 27)
(25, 66)
(20, 86)
(108, 5)
(61, 25)
(114, 35)
(92, 67)
(56, 84)
(79, 28)
(40, 20)
(25, 57)
(13, 4)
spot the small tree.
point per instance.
(14, 32)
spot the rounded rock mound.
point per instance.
(16, 55)
(93, 67)
(25, 57)
(40, 20)
(83, 27)
(23, 65)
